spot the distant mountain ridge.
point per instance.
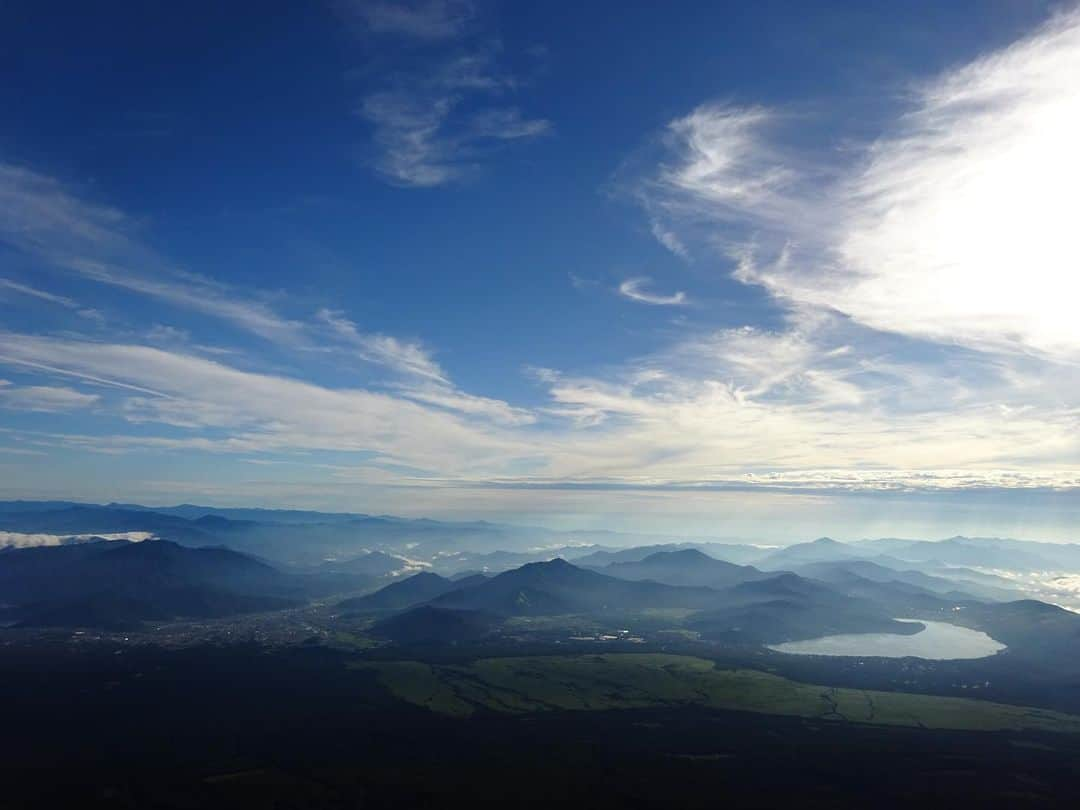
(300, 537)
(554, 587)
(686, 566)
(335, 551)
(119, 583)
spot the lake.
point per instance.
(940, 641)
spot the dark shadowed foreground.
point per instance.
(208, 727)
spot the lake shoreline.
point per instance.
(937, 641)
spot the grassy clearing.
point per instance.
(627, 681)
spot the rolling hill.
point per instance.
(405, 593)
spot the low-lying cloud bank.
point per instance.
(25, 540)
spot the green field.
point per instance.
(629, 681)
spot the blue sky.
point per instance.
(758, 269)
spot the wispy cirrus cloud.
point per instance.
(198, 294)
(43, 218)
(635, 290)
(424, 140)
(505, 124)
(269, 412)
(726, 160)
(408, 134)
(52, 298)
(454, 399)
(95, 242)
(954, 226)
(434, 124)
(714, 408)
(417, 19)
(43, 398)
(742, 408)
(743, 403)
(853, 389)
(33, 292)
(407, 357)
(49, 222)
(423, 379)
(929, 339)
(669, 239)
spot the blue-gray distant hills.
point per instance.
(117, 584)
(687, 566)
(303, 538)
(208, 563)
(309, 538)
(557, 587)
(749, 606)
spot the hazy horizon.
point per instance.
(897, 522)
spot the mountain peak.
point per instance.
(554, 564)
(427, 576)
(686, 555)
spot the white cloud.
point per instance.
(79, 236)
(198, 294)
(432, 127)
(422, 142)
(740, 408)
(634, 289)
(265, 412)
(963, 224)
(419, 19)
(172, 335)
(472, 71)
(955, 226)
(425, 380)
(27, 540)
(39, 216)
(34, 292)
(726, 161)
(402, 356)
(43, 398)
(408, 135)
(723, 406)
(48, 235)
(42, 218)
(43, 295)
(506, 125)
(52, 298)
(669, 239)
(445, 396)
